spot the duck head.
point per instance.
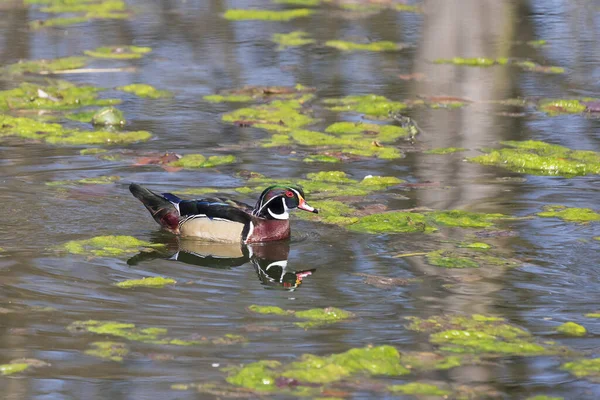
(276, 201)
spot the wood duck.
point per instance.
(225, 220)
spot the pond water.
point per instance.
(544, 272)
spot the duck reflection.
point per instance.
(270, 260)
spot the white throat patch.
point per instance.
(284, 215)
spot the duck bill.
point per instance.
(304, 206)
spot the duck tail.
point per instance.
(163, 208)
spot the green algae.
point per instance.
(256, 376)
(52, 133)
(586, 368)
(380, 360)
(80, 12)
(324, 158)
(445, 150)
(568, 214)
(428, 361)
(315, 316)
(107, 246)
(97, 180)
(113, 351)
(268, 310)
(152, 282)
(419, 389)
(144, 90)
(448, 259)
(108, 116)
(372, 105)
(537, 43)
(46, 66)
(299, 94)
(321, 316)
(382, 133)
(464, 219)
(480, 334)
(462, 341)
(233, 98)
(279, 115)
(476, 245)
(292, 39)
(266, 15)
(119, 52)
(75, 137)
(332, 212)
(357, 145)
(554, 107)
(571, 329)
(82, 116)
(472, 62)
(372, 46)
(152, 335)
(10, 369)
(393, 222)
(540, 158)
(28, 128)
(62, 95)
(199, 161)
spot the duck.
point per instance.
(218, 219)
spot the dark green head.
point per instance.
(276, 200)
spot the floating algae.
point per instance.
(540, 158)
(482, 335)
(311, 370)
(447, 259)
(419, 389)
(107, 246)
(278, 115)
(150, 335)
(108, 116)
(488, 62)
(199, 161)
(571, 329)
(445, 150)
(315, 316)
(79, 12)
(371, 105)
(266, 15)
(52, 133)
(9, 369)
(62, 95)
(299, 93)
(144, 90)
(586, 368)
(119, 52)
(382, 133)
(569, 214)
(97, 180)
(46, 66)
(555, 107)
(113, 351)
(151, 282)
(372, 46)
(292, 39)
(393, 222)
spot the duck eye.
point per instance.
(289, 193)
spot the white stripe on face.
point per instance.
(284, 215)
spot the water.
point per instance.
(195, 53)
